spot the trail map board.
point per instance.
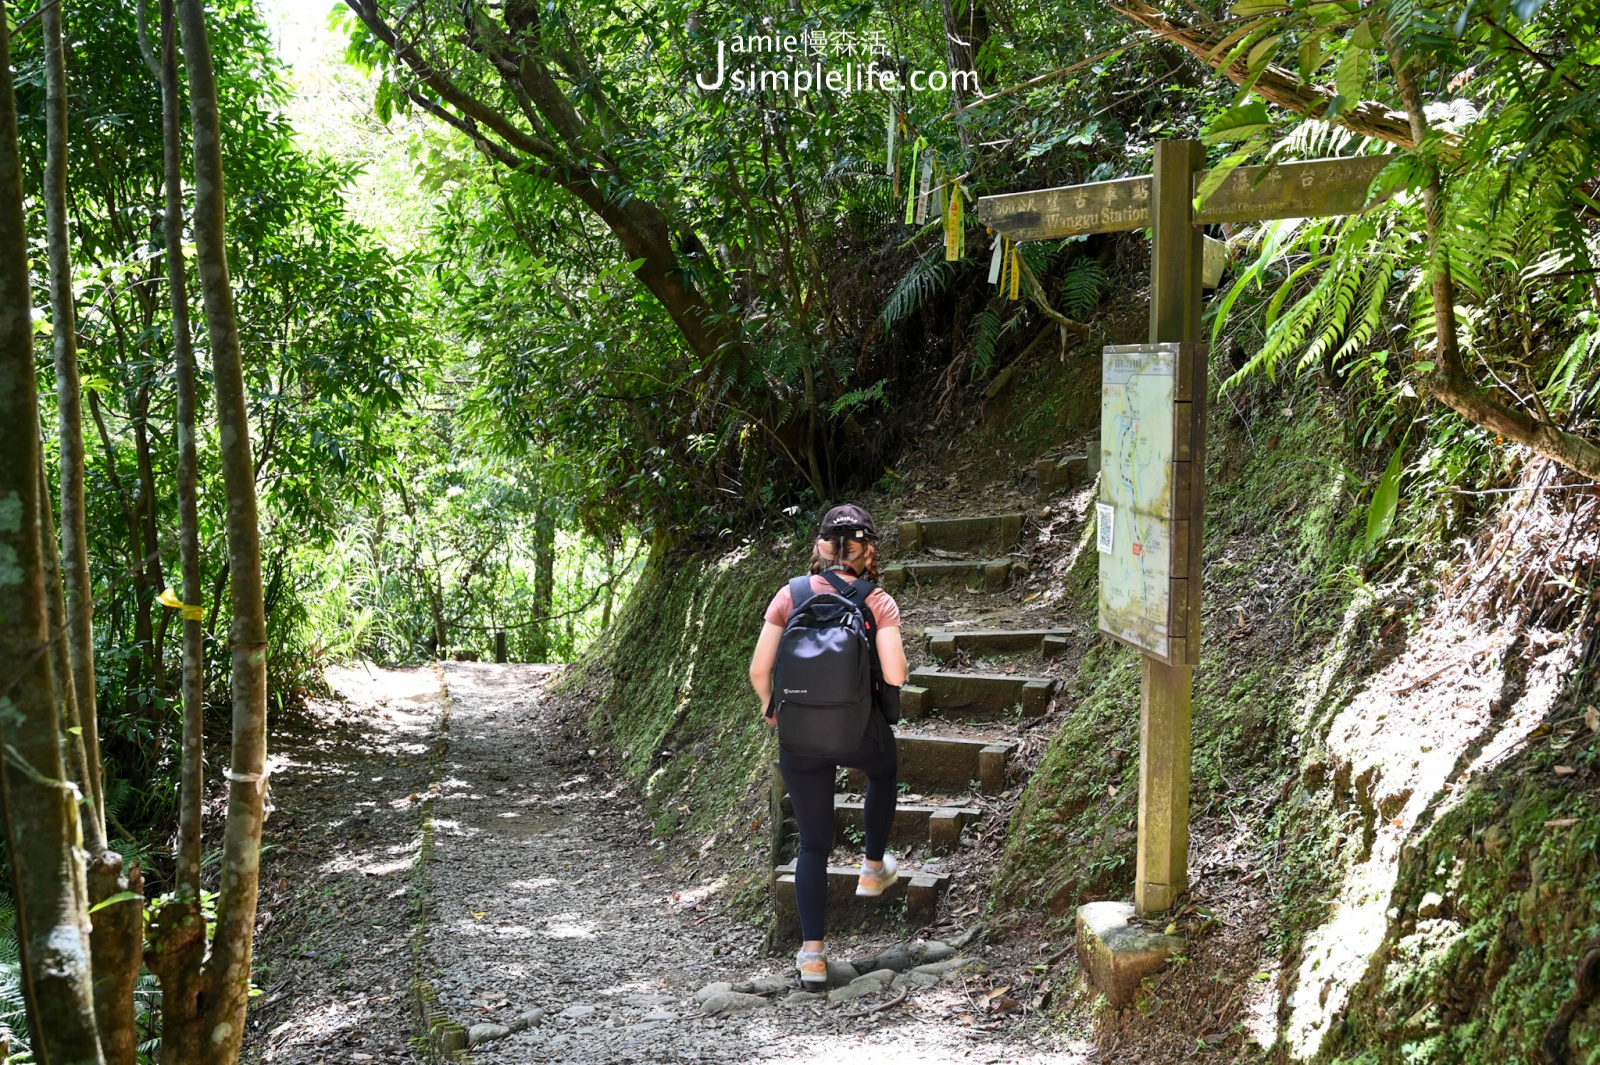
(1146, 506)
(1154, 524)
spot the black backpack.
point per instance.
(826, 678)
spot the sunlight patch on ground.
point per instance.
(1260, 1012)
(535, 884)
(569, 926)
(924, 1045)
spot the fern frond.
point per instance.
(1080, 286)
(926, 279)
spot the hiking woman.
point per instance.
(844, 563)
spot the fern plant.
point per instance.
(13, 1009)
(1081, 283)
(987, 329)
(925, 280)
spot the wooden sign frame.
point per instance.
(1163, 201)
(1248, 194)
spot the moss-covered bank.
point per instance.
(672, 701)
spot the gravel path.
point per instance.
(544, 898)
(547, 899)
(338, 886)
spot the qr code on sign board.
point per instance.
(1106, 519)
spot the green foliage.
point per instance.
(13, 1007)
(988, 327)
(925, 280)
(1081, 285)
(1385, 497)
(1515, 143)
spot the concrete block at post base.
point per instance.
(1117, 955)
(910, 536)
(913, 702)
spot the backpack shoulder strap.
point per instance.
(856, 591)
(800, 590)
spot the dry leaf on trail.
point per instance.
(1562, 822)
(1591, 717)
(996, 993)
(1564, 770)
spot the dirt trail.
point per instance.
(338, 895)
(543, 895)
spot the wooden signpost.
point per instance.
(1163, 201)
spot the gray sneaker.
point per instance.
(813, 966)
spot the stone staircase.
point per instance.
(959, 730)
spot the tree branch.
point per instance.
(1277, 85)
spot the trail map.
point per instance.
(1135, 506)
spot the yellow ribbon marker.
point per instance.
(1016, 270)
(954, 231)
(191, 611)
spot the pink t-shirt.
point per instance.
(884, 609)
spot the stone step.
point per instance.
(939, 827)
(992, 575)
(1061, 474)
(943, 643)
(973, 695)
(921, 892)
(947, 764)
(991, 532)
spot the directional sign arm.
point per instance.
(1098, 207)
(1316, 188)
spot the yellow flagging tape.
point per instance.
(191, 611)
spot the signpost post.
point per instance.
(1152, 601)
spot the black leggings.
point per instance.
(810, 784)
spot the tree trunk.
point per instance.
(226, 977)
(42, 830)
(544, 580)
(116, 950)
(69, 403)
(116, 939)
(1275, 84)
(60, 658)
(177, 935)
(963, 38)
(611, 585)
(155, 577)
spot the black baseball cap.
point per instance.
(850, 521)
